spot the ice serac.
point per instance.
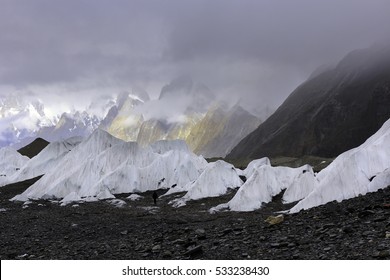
(61, 181)
(254, 165)
(332, 112)
(380, 181)
(355, 172)
(265, 183)
(172, 168)
(215, 180)
(10, 162)
(103, 165)
(46, 161)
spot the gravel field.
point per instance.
(358, 228)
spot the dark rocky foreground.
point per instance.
(353, 229)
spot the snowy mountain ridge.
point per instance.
(210, 128)
(20, 118)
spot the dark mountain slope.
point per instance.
(34, 148)
(328, 114)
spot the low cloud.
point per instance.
(72, 52)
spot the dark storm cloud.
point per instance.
(282, 31)
(62, 41)
(265, 48)
(253, 50)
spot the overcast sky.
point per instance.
(257, 50)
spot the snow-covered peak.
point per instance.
(78, 119)
(21, 118)
(25, 117)
(12, 105)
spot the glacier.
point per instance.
(265, 183)
(46, 160)
(216, 179)
(103, 165)
(10, 163)
(355, 172)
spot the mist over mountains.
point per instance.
(184, 110)
(333, 111)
